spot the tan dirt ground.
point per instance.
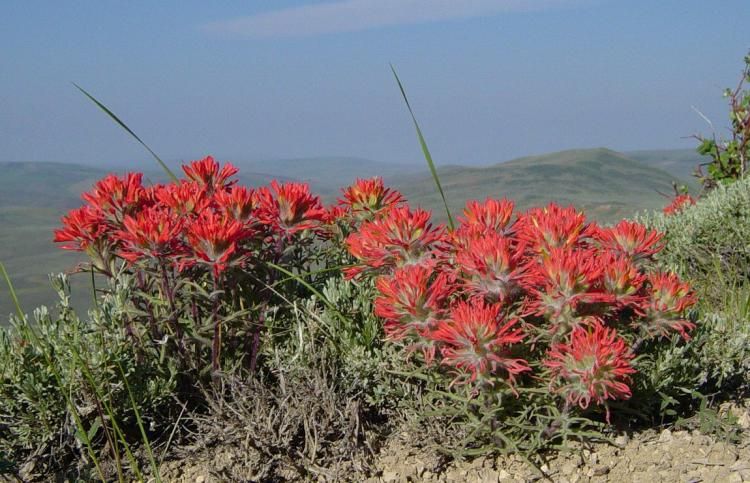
(650, 456)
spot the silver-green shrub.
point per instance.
(712, 235)
(707, 244)
(61, 374)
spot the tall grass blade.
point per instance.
(114, 117)
(144, 436)
(106, 405)
(19, 310)
(171, 435)
(425, 149)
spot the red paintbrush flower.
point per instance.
(290, 207)
(678, 204)
(151, 233)
(563, 281)
(335, 214)
(623, 281)
(115, 196)
(214, 240)
(593, 366)
(669, 299)
(631, 239)
(185, 198)
(85, 229)
(545, 229)
(401, 237)
(411, 300)
(209, 175)
(477, 341)
(492, 216)
(367, 198)
(82, 227)
(238, 202)
(491, 267)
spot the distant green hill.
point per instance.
(608, 185)
(326, 175)
(33, 196)
(678, 162)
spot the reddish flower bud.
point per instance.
(545, 229)
(491, 267)
(213, 239)
(152, 233)
(115, 196)
(491, 216)
(411, 300)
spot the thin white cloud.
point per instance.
(356, 15)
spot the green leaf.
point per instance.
(95, 427)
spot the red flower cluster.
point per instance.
(504, 292)
(502, 296)
(679, 203)
(204, 220)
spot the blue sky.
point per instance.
(489, 79)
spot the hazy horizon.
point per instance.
(490, 80)
(147, 163)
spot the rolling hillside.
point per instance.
(33, 196)
(608, 185)
(678, 162)
(326, 175)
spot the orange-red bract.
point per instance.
(477, 342)
(402, 237)
(593, 366)
(289, 207)
(115, 196)
(213, 240)
(630, 239)
(669, 298)
(151, 233)
(369, 197)
(209, 175)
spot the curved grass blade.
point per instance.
(425, 149)
(144, 436)
(13, 296)
(126, 128)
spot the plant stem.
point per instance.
(168, 290)
(216, 342)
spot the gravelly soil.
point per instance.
(650, 456)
